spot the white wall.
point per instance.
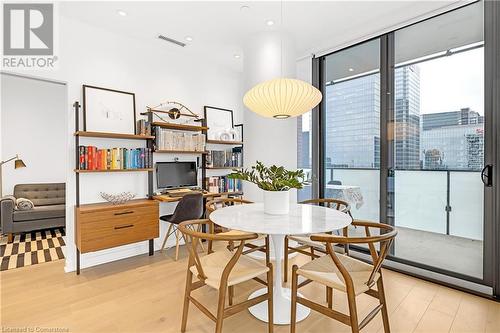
(271, 141)
(155, 72)
(33, 126)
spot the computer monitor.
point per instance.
(176, 174)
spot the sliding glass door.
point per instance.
(436, 139)
(351, 98)
(403, 130)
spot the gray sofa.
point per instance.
(49, 210)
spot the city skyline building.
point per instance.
(442, 140)
(456, 147)
(407, 117)
(464, 116)
(353, 123)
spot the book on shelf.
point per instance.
(166, 139)
(225, 158)
(92, 158)
(222, 184)
(143, 127)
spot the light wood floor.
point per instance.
(143, 294)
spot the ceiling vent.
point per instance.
(170, 40)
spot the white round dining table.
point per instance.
(302, 219)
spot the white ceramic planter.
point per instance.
(276, 202)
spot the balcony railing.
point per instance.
(440, 201)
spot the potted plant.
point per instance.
(276, 183)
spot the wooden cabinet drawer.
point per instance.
(107, 227)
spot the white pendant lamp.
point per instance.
(282, 98)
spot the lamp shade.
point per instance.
(282, 98)
(19, 164)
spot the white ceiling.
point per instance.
(456, 29)
(220, 28)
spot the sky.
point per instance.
(448, 84)
(454, 82)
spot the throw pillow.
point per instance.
(24, 204)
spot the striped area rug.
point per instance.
(32, 248)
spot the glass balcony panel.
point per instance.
(421, 200)
(368, 182)
(466, 201)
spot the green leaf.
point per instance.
(271, 178)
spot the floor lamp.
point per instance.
(18, 163)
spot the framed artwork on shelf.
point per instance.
(108, 110)
(220, 123)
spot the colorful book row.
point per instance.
(92, 158)
(223, 184)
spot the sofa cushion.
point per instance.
(40, 212)
(42, 194)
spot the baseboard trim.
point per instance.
(92, 259)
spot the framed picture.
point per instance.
(219, 122)
(108, 110)
(239, 131)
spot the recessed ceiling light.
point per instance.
(189, 38)
(351, 69)
(269, 23)
(237, 56)
(244, 8)
(121, 12)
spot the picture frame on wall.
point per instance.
(108, 110)
(239, 132)
(219, 121)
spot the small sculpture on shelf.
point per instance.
(174, 111)
(118, 199)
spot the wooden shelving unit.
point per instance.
(114, 170)
(179, 152)
(113, 135)
(206, 168)
(222, 168)
(230, 193)
(180, 127)
(195, 128)
(135, 235)
(231, 143)
(100, 206)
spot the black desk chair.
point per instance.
(190, 207)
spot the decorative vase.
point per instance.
(276, 202)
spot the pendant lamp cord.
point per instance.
(281, 38)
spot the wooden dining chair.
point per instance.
(305, 245)
(222, 270)
(218, 203)
(344, 273)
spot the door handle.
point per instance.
(390, 172)
(486, 175)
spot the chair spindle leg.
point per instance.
(293, 313)
(285, 261)
(187, 293)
